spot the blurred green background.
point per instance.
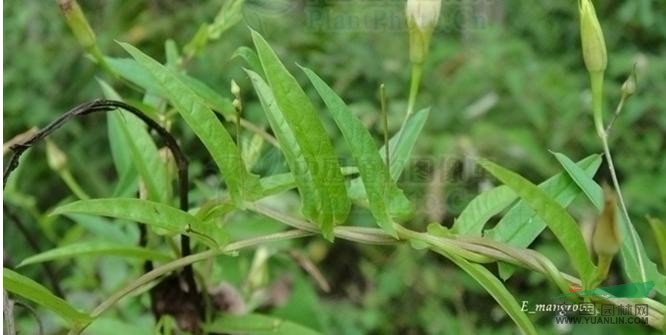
(505, 80)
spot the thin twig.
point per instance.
(34, 314)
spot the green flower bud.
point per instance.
(235, 89)
(629, 85)
(76, 21)
(56, 159)
(592, 38)
(422, 17)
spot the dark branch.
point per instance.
(106, 106)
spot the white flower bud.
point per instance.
(423, 13)
(422, 17)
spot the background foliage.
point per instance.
(505, 80)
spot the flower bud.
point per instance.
(592, 38)
(629, 85)
(607, 237)
(56, 159)
(422, 16)
(76, 21)
(235, 89)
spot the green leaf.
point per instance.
(33, 291)
(212, 99)
(496, 289)
(591, 189)
(122, 159)
(152, 213)
(135, 73)
(250, 57)
(256, 324)
(285, 181)
(520, 226)
(242, 184)
(637, 266)
(401, 146)
(96, 248)
(130, 70)
(481, 209)
(312, 191)
(659, 230)
(556, 217)
(330, 205)
(380, 188)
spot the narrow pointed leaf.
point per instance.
(637, 265)
(332, 204)
(591, 189)
(520, 226)
(33, 291)
(659, 230)
(496, 289)
(481, 209)
(380, 188)
(152, 213)
(242, 184)
(401, 146)
(95, 248)
(556, 217)
(130, 70)
(256, 324)
(250, 57)
(212, 99)
(122, 159)
(312, 193)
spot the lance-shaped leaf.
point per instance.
(242, 184)
(170, 219)
(330, 205)
(96, 248)
(585, 182)
(556, 217)
(481, 209)
(520, 226)
(33, 291)
(401, 146)
(256, 324)
(495, 287)
(637, 265)
(493, 201)
(312, 195)
(380, 188)
(143, 152)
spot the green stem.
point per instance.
(597, 82)
(616, 184)
(73, 185)
(603, 265)
(417, 72)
